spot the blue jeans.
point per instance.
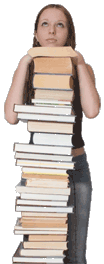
(80, 198)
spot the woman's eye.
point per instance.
(60, 25)
(44, 24)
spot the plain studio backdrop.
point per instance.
(17, 26)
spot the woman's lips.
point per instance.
(51, 40)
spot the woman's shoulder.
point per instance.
(91, 72)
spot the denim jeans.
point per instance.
(80, 198)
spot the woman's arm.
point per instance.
(15, 95)
(90, 100)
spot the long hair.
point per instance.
(29, 91)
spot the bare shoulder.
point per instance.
(91, 72)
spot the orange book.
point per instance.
(47, 237)
(52, 81)
(45, 245)
(53, 65)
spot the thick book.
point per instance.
(45, 164)
(20, 201)
(45, 245)
(31, 148)
(31, 156)
(53, 65)
(54, 94)
(52, 52)
(32, 196)
(47, 238)
(53, 81)
(46, 117)
(21, 188)
(22, 259)
(52, 127)
(34, 109)
(52, 139)
(19, 230)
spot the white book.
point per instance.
(42, 252)
(45, 164)
(52, 139)
(23, 259)
(40, 203)
(49, 197)
(51, 102)
(43, 109)
(22, 188)
(68, 209)
(42, 149)
(23, 155)
(52, 118)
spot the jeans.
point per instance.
(80, 198)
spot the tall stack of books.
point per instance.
(44, 187)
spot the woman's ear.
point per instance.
(35, 34)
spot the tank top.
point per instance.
(77, 139)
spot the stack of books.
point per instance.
(44, 190)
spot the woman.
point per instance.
(54, 28)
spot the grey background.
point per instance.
(17, 20)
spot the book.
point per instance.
(38, 214)
(20, 201)
(47, 171)
(49, 238)
(43, 109)
(41, 197)
(18, 258)
(47, 225)
(52, 139)
(54, 94)
(19, 230)
(45, 245)
(45, 164)
(31, 148)
(20, 208)
(53, 127)
(47, 183)
(46, 117)
(53, 81)
(20, 187)
(45, 176)
(52, 52)
(48, 102)
(24, 155)
(51, 220)
(62, 65)
(40, 252)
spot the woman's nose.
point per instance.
(52, 29)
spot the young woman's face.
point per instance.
(52, 30)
